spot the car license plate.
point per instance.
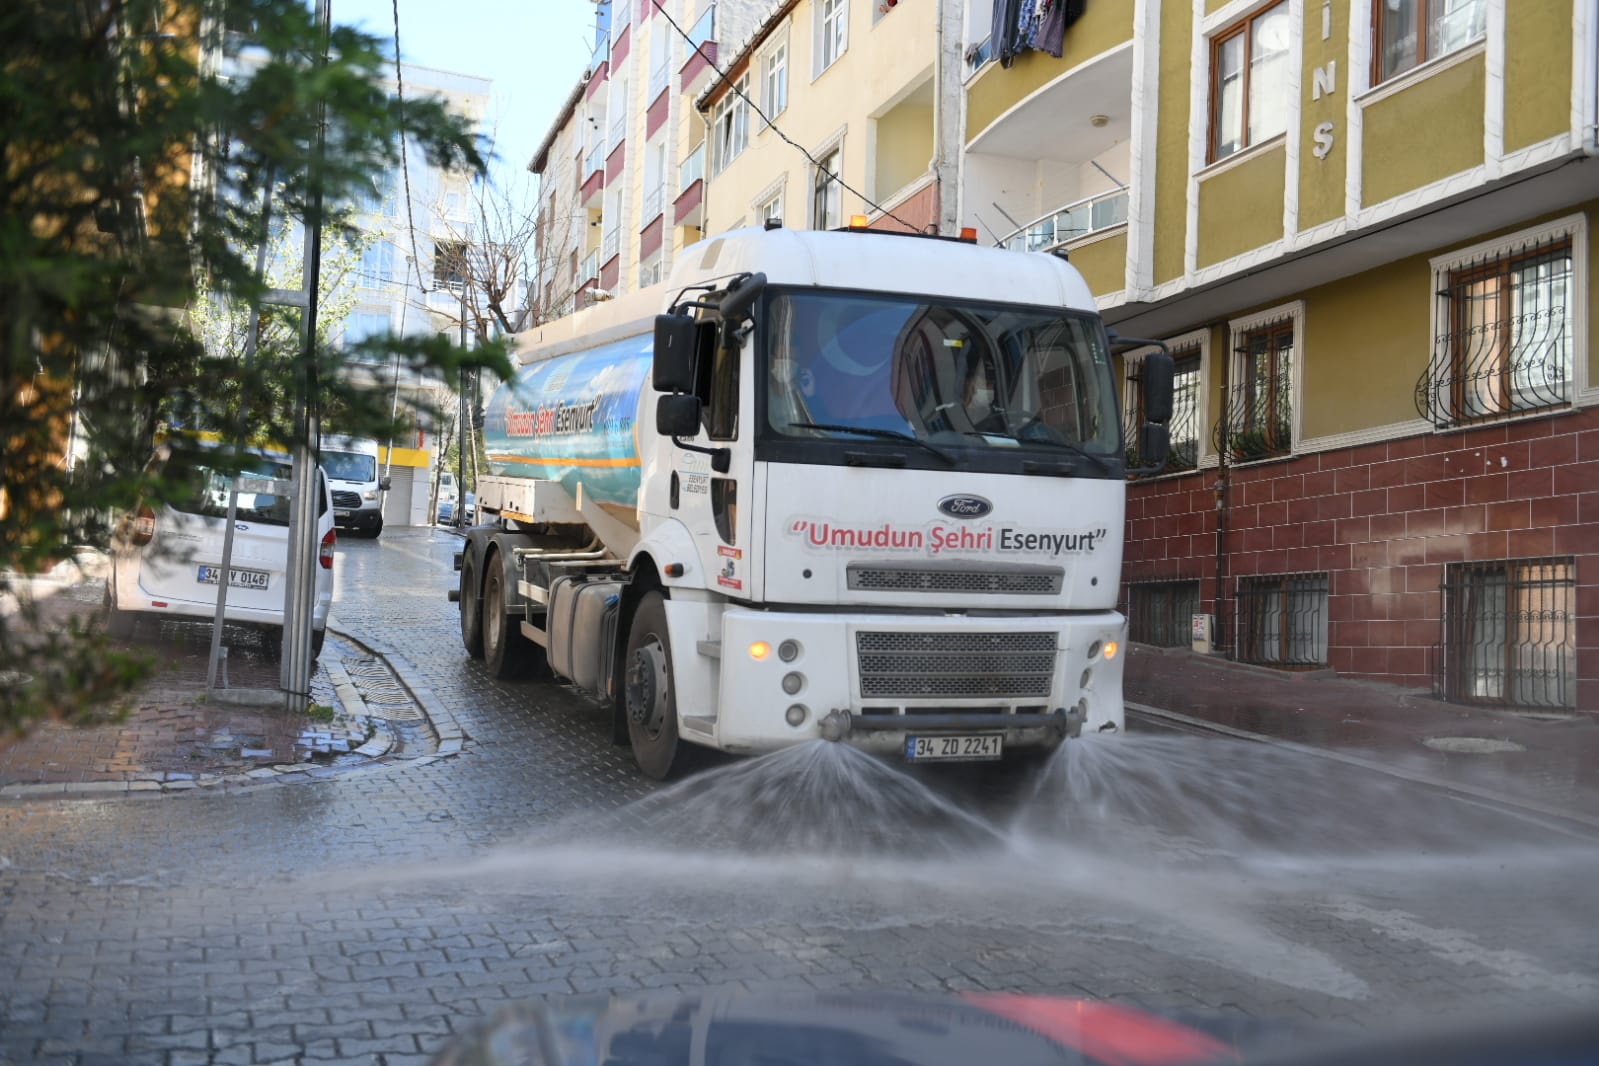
(960, 748)
(341, 514)
(238, 579)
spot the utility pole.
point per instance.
(299, 601)
(461, 420)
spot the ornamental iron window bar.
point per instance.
(1184, 424)
(1282, 620)
(1505, 341)
(1510, 633)
(1160, 613)
(1257, 419)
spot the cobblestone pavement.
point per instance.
(367, 917)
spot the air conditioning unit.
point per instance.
(1203, 639)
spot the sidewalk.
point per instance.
(172, 739)
(1546, 759)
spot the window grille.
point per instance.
(1282, 620)
(1510, 633)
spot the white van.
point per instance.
(168, 561)
(449, 494)
(352, 467)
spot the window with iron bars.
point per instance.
(1259, 412)
(1160, 613)
(1282, 620)
(1184, 424)
(1510, 633)
(1504, 341)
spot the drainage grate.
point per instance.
(385, 697)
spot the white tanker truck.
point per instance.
(860, 486)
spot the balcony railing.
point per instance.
(591, 268)
(704, 30)
(621, 15)
(691, 169)
(1070, 222)
(652, 203)
(602, 52)
(611, 244)
(595, 160)
(618, 130)
(1184, 424)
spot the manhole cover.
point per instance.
(384, 696)
(1472, 745)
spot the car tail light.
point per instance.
(143, 526)
(324, 554)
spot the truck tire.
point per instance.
(649, 694)
(508, 654)
(373, 530)
(471, 609)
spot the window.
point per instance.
(1259, 421)
(376, 194)
(832, 33)
(1160, 613)
(654, 181)
(774, 80)
(1504, 340)
(660, 63)
(730, 128)
(1249, 82)
(827, 196)
(449, 264)
(1408, 33)
(1282, 620)
(770, 209)
(1510, 633)
(1184, 424)
(363, 324)
(618, 113)
(377, 265)
(649, 271)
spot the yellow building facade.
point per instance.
(1365, 229)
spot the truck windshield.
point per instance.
(948, 372)
(350, 466)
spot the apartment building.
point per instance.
(410, 288)
(615, 162)
(1364, 228)
(862, 89)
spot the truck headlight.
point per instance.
(369, 495)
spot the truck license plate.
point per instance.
(341, 514)
(962, 748)
(238, 579)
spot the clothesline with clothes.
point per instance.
(1031, 25)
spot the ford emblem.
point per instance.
(965, 506)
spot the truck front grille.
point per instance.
(953, 665)
(1027, 581)
(351, 500)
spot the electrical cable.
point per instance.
(722, 75)
(405, 164)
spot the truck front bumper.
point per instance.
(874, 680)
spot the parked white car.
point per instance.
(449, 493)
(168, 561)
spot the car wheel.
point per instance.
(375, 528)
(318, 636)
(650, 693)
(119, 625)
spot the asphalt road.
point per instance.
(369, 917)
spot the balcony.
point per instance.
(618, 130)
(652, 203)
(688, 208)
(1066, 224)
(593, 177)
(701, 52)
(590, 270)
(610, 244)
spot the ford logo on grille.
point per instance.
(965, 506)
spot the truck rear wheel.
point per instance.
(649, 693)
(506, 651)
(471, 610)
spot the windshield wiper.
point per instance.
(882, 434)
(1099, 460)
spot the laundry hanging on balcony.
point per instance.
(1037, 25)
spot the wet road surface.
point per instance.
(369, 917)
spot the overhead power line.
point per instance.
(721, 74)
(405, 163)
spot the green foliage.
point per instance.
(129, 168)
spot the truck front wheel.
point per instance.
(650, 696)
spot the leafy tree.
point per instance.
(126, 153)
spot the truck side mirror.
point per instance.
(1154, 446)
(1158, 374)
(676, 338)
(384, 484)
(677, 415)
(735, 306)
